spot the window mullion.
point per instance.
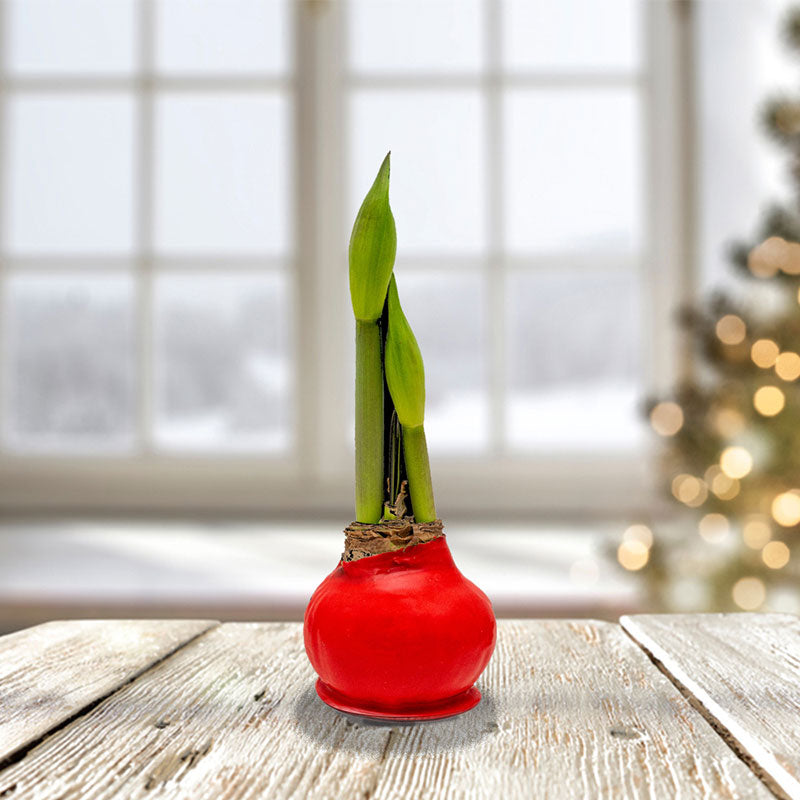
(3, 250)
(320, 402)
(668, 119)
(329, 267)
(144, 227)
(495, 264)
(302, 277)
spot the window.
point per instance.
(180, 180)
(517, 130)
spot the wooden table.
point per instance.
(657, 706)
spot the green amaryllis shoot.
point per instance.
(405, 376)
(373, 245)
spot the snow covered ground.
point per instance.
(560, 418)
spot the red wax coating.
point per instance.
(399, 633)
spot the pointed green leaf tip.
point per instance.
(405, 372)
(373, 245)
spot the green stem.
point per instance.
(369, 423)
(418, 469)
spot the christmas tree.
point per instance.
(732, 431)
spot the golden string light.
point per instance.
(731, 329)
(769, 401)
(735, 462)
(787, 366)
(632, 555)
(786, 508)
(756, 533)
(639, 533)
(689, 490)
(714, 527)
(666, 418)
(727, 422)
(764, 352)
(763, 261)
(749, 593)
(711, 473)
(725, 488)
(775, 555)
(791, 265)
(677, 486)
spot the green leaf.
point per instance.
(373, 245)
(405, 372)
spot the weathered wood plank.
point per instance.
(51, 672)
(578, 713)
(221, 718)
(570, 709)
(744, 671)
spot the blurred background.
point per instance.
(179, 179)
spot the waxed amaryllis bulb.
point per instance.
(400, 635)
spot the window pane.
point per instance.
(69, 169)
(69, 363)
(437, 145)
(448, 315)
(222, 181)
(222, 362)
(415, 35)
(222, 36)
(79, 36)
(572, 170)
(571, 35)
(573, 360)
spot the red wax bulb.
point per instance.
(400, 635)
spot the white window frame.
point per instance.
(316, 477)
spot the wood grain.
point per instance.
(744, 670)
(51, 672)
(570, 710)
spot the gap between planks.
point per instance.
(17, 754)
(733, 743)
(569, 707)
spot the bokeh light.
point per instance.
(786, 509)
(723, 487)
(769, 401)
(787, 366)
(632, 555)
(764, 352)
(736, 462)
(756, 533)
(666, 418)
(775, 555)
(764, 259)
(731, 329)
(749, 593)
(638, 533)
(689, 490)
(711, 473)
(727, 422)
(714, 527)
